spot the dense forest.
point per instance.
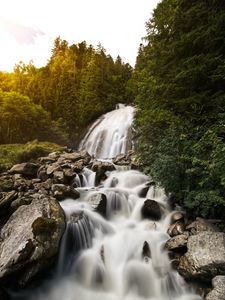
(178, 86)
(180, 75)
(58, 101)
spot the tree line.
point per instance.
(58, 101)
(180, 83)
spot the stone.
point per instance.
(69, 174)
(205, 257)
(47, 160)
(177, 216)
(151, 210)
(122, 160)
(61, 191)
(177, 242)
(101, 167)
(98, 202)
(42, 173)
(21, 184)
(52, 168)
(218, 292)
(200, 225)
(75, 156)
(146, 251)
(58, 177)
(176, 228)
(30, 238)
(26, 169)
(7, 199)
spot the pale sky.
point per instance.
(29, 27)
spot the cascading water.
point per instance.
(120, 256)
(110, 135)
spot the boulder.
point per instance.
(177, 242)
(101, 167)
(61, 191)
(98, 202)
(177, 216)
(151, 210)
(146, 251)
(218, 292)
(69, 175)
(200, 225)
(26, 169)
(176, 228)
(30, 239)
(205, 257)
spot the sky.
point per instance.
(28, 27)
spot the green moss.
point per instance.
(6, 184)
(43, 226)
(11, 154)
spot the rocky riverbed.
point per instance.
(32, 222)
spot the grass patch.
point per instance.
(11, 154)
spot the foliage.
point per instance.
(11, 154)
(78, 84)
(22, 120)
(180, 83)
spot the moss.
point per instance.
(11, 154)
(43, 226)
(6, 184)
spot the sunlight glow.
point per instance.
(28, 28)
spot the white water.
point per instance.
(122, 256)
(110, 135)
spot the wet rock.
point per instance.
(69, 175)
(122, 160)
(151, 210)
(218, 292)
(6, 183)
(61, 191)
(26, 169)
(200, 225)
(78, 166)
(98, 202)
(177, 242)
(101, 167)
(143, 192)
(177, 216)
(30, 239)
(176, 228)
(205, 257)
(146, 251)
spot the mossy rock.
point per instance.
(43, 226)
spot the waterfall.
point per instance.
(110, 135)
(119, 256)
